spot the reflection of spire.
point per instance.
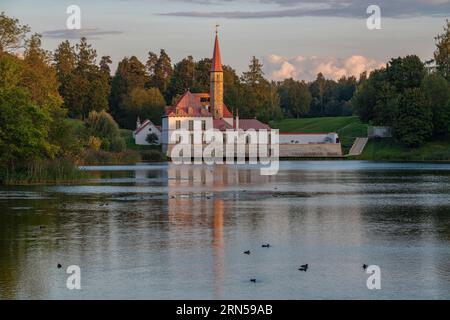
(218, 248)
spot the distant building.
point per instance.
(143, 130)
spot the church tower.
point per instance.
(216, 82)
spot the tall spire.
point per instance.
(216, 65)
(216, 82)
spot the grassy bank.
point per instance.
(150, 153)
(389, 149)
(348, 128)
(44, 172)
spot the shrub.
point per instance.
(102, 125)
(153, 156)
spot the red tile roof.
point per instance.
(144, 125)
(216, 65)
(190, 105)
(246, 124)
(221, 124)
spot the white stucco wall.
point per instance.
(308, 138)
(169, 125)
(141, 137)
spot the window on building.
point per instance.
(191, 125)
(204, 125)
(177, 124)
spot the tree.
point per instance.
(442, 53)
(317, 89)
(102, 125)
(183, 77)
(413, 124)
(295, 97)
(201, 76)
(437, 90)
(162, 74)
(258, 95)
(145, 104)
(386, 105)
(24, 127)
(130, 74)
(65, 64)
(152, 138)
(12, 34)
(405, 73)
(38, 76)
(254, 77)
(105, 61)
(372, 97)
(152, 60)
(85, 85)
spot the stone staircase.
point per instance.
(358, 146)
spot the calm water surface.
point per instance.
(155, 231)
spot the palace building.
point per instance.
(208, 109)
(205, 111)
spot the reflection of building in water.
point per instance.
(149, 172)
(218, 248)
(192, 204)
(218, 177)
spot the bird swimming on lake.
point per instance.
(247, 252)
(266, 245)
(365, 266)
(59, 266)
(303, 267)
(253, 280)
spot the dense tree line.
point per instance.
(38, 94)
(409, 96)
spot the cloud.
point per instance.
(324, 8)
(306, 68)
(89, 33)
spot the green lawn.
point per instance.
(348, 128)
(129, 141)
(389, 149)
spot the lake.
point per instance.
(161, 231)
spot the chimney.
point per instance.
(138, 123)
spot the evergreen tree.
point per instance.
(295, 97)
(84, 84)
(183, 77)
(414, 121)
(152, 60)
(442, 53)
(162, 74)
(437, 90)
(254, 77)
(201, 76)
(130, 74)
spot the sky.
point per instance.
(293, 38)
